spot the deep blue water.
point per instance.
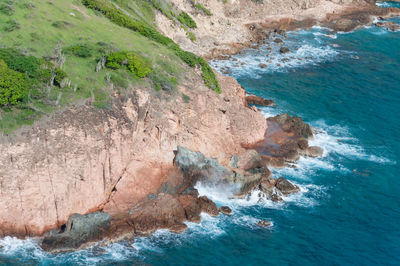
(349, 209)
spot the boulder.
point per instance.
(262, 65)
(286, 187)
(225, 210)
(252, 99)
(293, 124)
(278, 41)
(78, 230)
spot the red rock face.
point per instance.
(84, 159)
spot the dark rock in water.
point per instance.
(79, 230)
(278, 41)
(286, 187)
(225, 210)
(345, 24)
(284, 50)
(262, 65)
(293, 124)
(252, 99)
(264, 223)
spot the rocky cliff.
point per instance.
(84, 159)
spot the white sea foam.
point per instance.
(276, 61)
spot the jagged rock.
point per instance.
(284, 50)
(388, 25)
(252, 99)
(264, 223)
(208, 206)
(286, 187)
(293, 124)
(225, 210)
(79, 230)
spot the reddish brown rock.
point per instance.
(252, 99)
(225, 210)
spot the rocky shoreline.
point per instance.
(141, 161)
(177, 200)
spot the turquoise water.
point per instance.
(348, 210)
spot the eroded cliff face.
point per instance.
(240, 23)
(85, 159)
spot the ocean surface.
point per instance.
(347, 86)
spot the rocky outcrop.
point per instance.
(388, 25)
(252, 99)
(85, 159)
(79, 230)
(286, 139)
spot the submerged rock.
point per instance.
(278, 41)
(284, 50)
(264, 223)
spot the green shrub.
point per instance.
(202, 8)
(115, 60)
(20, 62)
(135, 63)
(186, 20)
(80, 50)
(11, 25)
(13, 85)
(59, 76)
(7, 8)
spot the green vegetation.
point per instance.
(60, 48)
(186, 20)
(191, 36)
(120, 18)
(134, 63)
(185, 98)
(13, 85)
(80, 50)
(7, 8)
(203, 9)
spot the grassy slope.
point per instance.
(37, 36)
